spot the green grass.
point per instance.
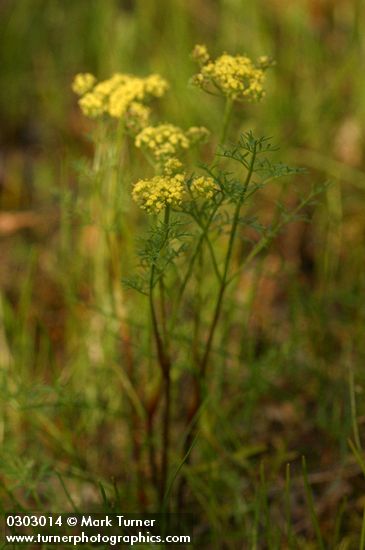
(290, 384)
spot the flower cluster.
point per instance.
(197, 134)
(235, 77)
(157, 193)
(172, 166)
(166, 141)
(204, 186)
(200, 54)
(163, 143)
(122, 95)
(137, 116)
(83, 82)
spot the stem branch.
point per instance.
(226, 120)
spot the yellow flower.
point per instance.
(157, 193)
(204, 186)
(197, 134)
(132, 89)
(172, 166)
(162, 141)
(82, 83)
(117, 95)
(265, 62)
(166, 140)
(155, 85)
(106, 87)
(200, 54)
(92, 105)
(236, 77)
(137, 116)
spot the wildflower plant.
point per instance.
(188, 261)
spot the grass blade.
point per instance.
(312, 511)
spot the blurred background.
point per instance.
(304, 393)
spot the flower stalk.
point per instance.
(195, 218)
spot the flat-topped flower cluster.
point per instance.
(125, 97)
(167, 140)
(236, 77)
(164, 144)
(156, 193)
(122, 95)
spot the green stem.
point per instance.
(152, 453)
(165, 365)
(202, 236)
(226, 119)
(162, 285)
(198, 308)
(205, 236)
(191, 432)
(165, 435)
(223, 284)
